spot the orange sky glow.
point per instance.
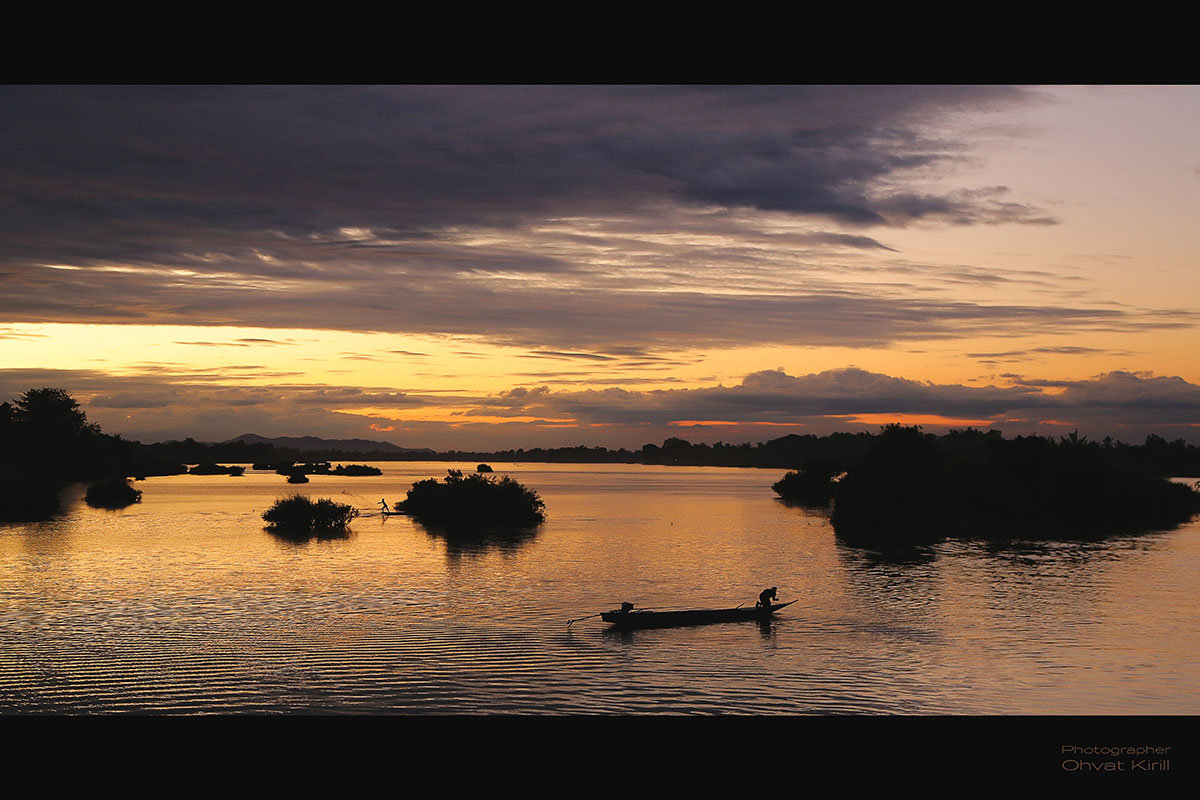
(555, 266)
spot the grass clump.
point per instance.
(297, 514)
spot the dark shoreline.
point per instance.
(910, 483)
(1156, 456)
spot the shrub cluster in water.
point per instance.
(913, 486)
(298, 514)
(114, 493)
(47, 443)
(474, 501)
(811, 486)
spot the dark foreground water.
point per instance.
(184, 604)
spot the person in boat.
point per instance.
(626, 608)
(766, 596)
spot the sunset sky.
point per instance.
(505, 266)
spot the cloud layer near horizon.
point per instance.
(764, 405)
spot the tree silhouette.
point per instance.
(52, 413)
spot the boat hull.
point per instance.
(669, 619)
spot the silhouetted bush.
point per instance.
(483, 468)
(296, 514)
(811, 486)
(113, 493)
(475, 501)
(297, 477)
(913, 487)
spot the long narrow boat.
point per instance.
(702, 616)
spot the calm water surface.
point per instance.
(184, 604)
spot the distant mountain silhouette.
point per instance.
(306, 444)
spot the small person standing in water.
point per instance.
(383, 503)
(766, 596)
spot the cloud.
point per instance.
(768, 396)
(569, 317)
(984, 206)
(765, 404)
(409, 159)
(1119, 403)
(1121, 390)
(1070, 350)
(542, 216)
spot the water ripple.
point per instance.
(186, 606)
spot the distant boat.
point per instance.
(666, 619)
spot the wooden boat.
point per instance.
(703, 616)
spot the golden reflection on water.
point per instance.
(184, 604)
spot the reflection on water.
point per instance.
(460, 542)
(184, 604)
(296, 537)
(855, 556)
(1078, 550)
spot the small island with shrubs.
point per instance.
(321, 468)
(112, 494)
(813, 485)
(476, 501)
(356, 470)
(209, 468)
(913, 487)
(299, 516)
(48, 443)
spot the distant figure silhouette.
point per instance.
(383, 503)
(766, 596)
(626, 608)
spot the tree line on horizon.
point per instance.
(1156, 455)
(47, 442)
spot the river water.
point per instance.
(184, 604)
